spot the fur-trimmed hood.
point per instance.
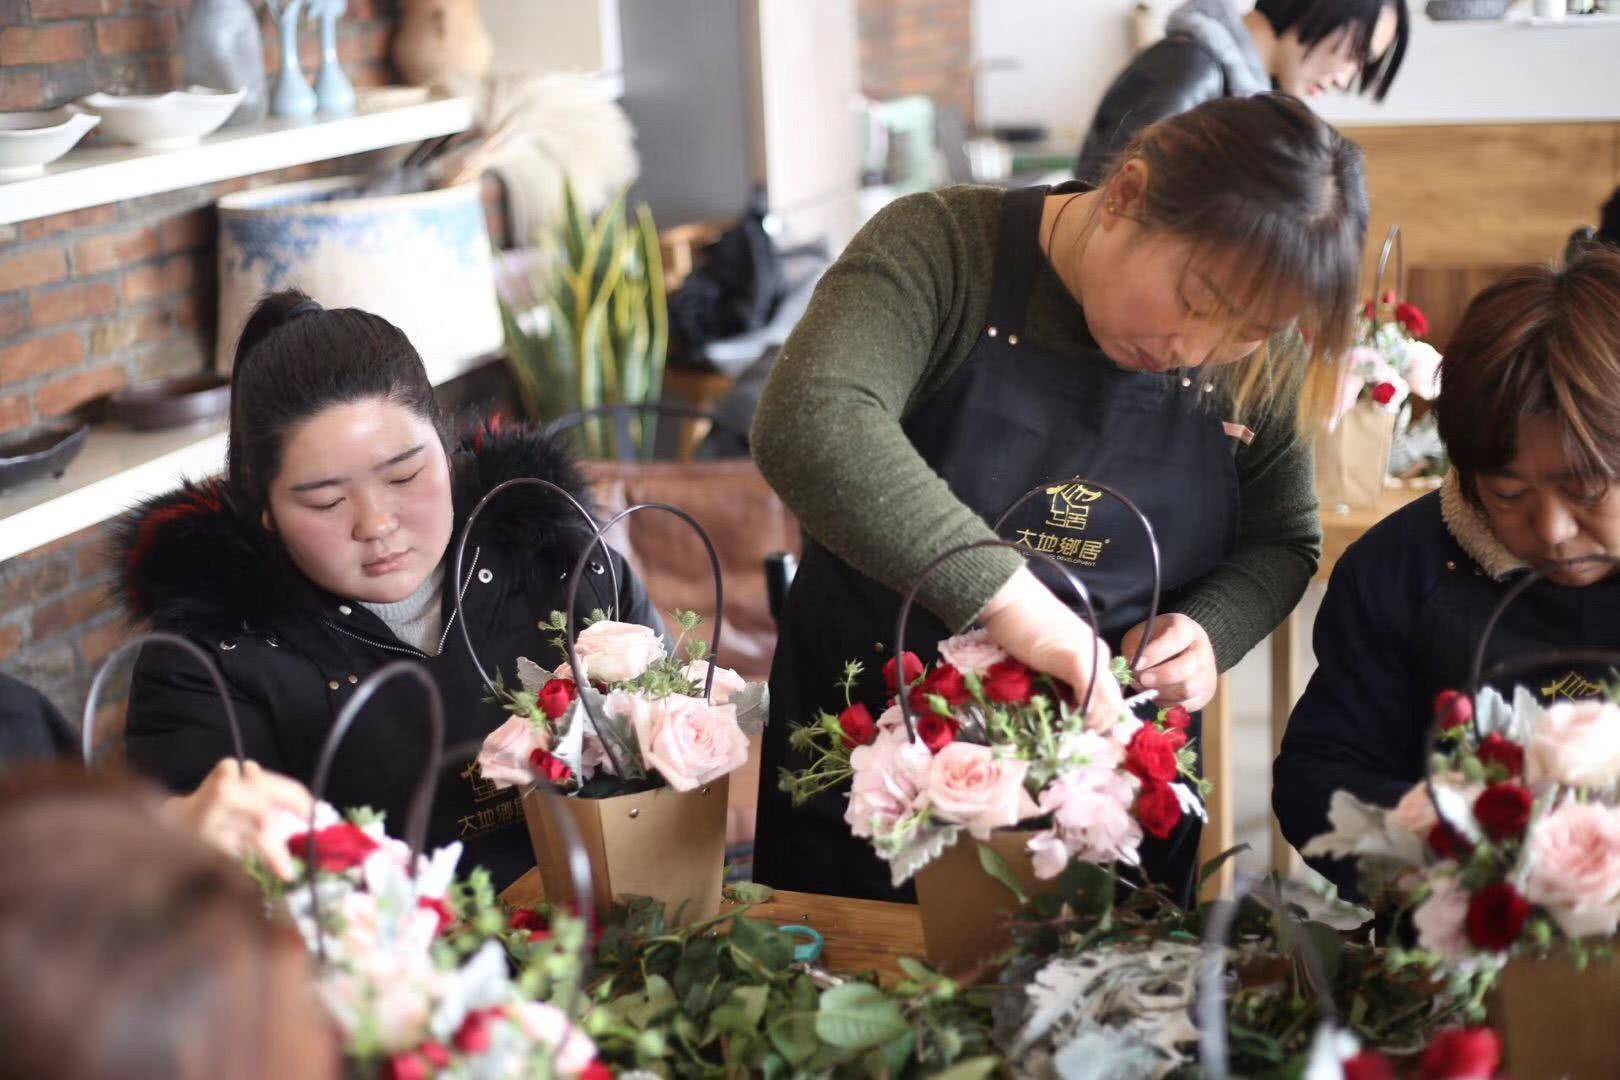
(1467, 525)
(191, 562)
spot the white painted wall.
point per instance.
(1066, 53)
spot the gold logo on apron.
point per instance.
(1572, 687)
(1071, 506)
(1067, 548)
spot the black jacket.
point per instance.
(30, 727)
(1403, 613)
(291, 653)
(1175, 74)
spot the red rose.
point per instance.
(1176, 717)
(944, 681)
(1151, 756)
(914, 670)
(436, 1054)
(550, 766)
(446, 913)
(556, 696)
(859, 728)
(1389, 296)
(595, 1071)
(337, 847)
(936, 732)
(1369, 1065)
(1447, 843)
(1158, 809)
(1368, 309)
(1497, 750)
(1463, 1054)
(524, 919)
(1176, 738)
(1411, 316)
(407, 1066)
(1383, 393)
(1009, 683)
(1453, 709)
(474, 1036)
(1503, 811)
(1496, 917)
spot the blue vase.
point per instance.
(224, 50)
(333, 91)
(292, 95)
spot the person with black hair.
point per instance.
(1211, 50)
(325, 552)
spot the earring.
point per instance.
(1112, 207)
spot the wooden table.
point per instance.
(859, 935)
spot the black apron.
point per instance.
(1014, 416)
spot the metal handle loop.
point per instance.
(184, 644)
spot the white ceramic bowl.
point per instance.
(31, 140)
(163, 121)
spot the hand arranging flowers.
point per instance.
(646, 718)
(996, 746)
(1513, 843)
(414, 966)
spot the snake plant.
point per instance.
(603, 331)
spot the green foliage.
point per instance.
(601, 288)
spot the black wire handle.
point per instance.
(459, 590)
(160, 637)
(581, 678)
(1476, 672)
(1392, 242)
(911, 598)
(421, 799)
(1147, 527)
(1214, 1053)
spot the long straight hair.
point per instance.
(1313, 21)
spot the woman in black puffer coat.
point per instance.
(325, 552)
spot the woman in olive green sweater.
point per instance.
(971, 345)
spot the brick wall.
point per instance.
(96, 299)
(917, 47)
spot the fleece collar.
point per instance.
(1467, 525)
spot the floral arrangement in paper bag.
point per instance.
(649, 718)
(414, 967)
(996, 746)
(1514, 841)
(1388, 363)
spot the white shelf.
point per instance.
(119, 467)
(99, 175)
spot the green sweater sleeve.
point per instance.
(889, 321)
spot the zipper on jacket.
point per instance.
(408, 650)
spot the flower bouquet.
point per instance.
(1508, 858)
(1387, 366)
(978, 744)
(644, 738)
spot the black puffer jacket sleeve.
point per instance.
(176, 729)
(1169, 77)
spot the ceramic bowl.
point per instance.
(163, 121)
(45, 450)
(31, 140)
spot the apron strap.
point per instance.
(1017, 249)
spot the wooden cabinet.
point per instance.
(1473, 199)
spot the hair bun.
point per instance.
(269, 315)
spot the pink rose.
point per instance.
(1441, 922)
(891, 775)
(892, 720)
(549, 1026)
(1423, 369)
(504, 758)
(1576, 743)
(615, 652)
(1415, 812)
(689, 741)
(1574, 856)
(727, 683)
(972, 653)
(1091, 813)
(969, 785)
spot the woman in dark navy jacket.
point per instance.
(1529, 409)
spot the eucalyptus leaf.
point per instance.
(858, 1016)
(794, 1036)
(976, 1068)
(994, 865)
